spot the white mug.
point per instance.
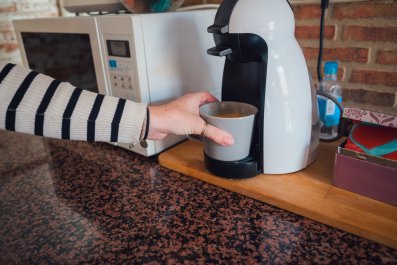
(236, 118)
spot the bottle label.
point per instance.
(329, 111)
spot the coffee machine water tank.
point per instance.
(288, 136)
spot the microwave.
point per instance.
(151, 58)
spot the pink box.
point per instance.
(370, 176)
(370, 116)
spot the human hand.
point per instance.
(181, 117)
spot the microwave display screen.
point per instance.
(63, 56)
(118, 48)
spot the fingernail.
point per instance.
(228, 141)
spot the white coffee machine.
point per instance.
(265, 66)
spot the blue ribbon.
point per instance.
(381, 150)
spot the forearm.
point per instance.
(37, 104)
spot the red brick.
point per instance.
(313, 32)
(8, 8)
(9, 47)
(370, 33)
(368, 97)
(387, 57)
(307, 11)
(340, 54)
(313, 72)
(365, 10)
(374, 77)
(213, 1)
(194, 2)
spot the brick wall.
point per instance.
(18, 9)
(362, 36)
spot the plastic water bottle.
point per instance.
(328, 110)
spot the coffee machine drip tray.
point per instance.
(240, 169)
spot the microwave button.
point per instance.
(113, 63)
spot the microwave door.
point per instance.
(65, 57)
(65, 49)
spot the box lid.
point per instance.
(370, 116)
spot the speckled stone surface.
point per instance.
(64, 202)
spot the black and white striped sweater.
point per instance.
(34, 103)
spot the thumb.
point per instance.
(206, 97)
(219, 136)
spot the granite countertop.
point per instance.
(69, 202)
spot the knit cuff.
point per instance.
(145, 126)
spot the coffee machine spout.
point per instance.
(221, 29)
(219, 51)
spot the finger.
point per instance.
(157, 136)
(219, 136)
(206, 97)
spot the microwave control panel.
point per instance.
(121, 69)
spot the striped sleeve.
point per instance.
(37, 104)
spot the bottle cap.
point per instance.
(331, 68)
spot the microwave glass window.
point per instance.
(63, 56)
(118, 48)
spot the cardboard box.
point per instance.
(370, 176)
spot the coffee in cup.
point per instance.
(228, 115)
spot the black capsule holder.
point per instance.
(240, 169)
